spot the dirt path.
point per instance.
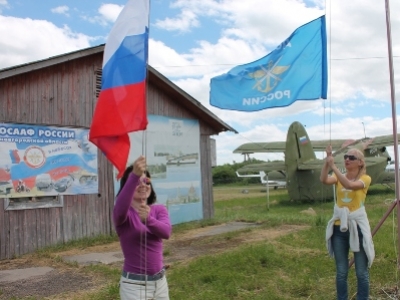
(192, 244)
(66, 281)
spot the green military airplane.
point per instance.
(302, 168)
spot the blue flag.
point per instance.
(295, 70)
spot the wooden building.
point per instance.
(62, 91)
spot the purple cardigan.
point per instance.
(141, 245)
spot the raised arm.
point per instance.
(160, 225)
(324, 177)
(125, 195)
(124, 199)
(346, 183)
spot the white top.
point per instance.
(349, 221)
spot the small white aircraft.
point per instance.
(268, 183)
(264, 180)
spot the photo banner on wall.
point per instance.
(37, 161)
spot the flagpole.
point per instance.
(394, 118)
(394, 121)
(144, 138)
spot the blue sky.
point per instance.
(192, 41)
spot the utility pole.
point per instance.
(364, 129)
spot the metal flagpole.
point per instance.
(267, 185)
(394, 116)
(394, 121)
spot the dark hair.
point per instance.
(152, 197)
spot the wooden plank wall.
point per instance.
(3, 230)
(62, 95)
(206, 175)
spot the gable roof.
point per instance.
(154, 77)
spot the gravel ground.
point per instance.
(53, 283)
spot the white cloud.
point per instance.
(167, 60)
(110, 12)
(207, 59)
(251, 20)
(62, 10)
(182, 23)
(26, 40)
(107, 14)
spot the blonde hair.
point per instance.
(360, 156)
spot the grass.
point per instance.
(294, 266)
(297, 265)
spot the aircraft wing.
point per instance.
(266, 167)
(369, 143)
(269, 147)
(316, 164)
(261, 147)
(373, 146)
(380, 141)
(320, 145)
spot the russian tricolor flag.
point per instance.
(303, 140)
(121, 107)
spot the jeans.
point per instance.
(138, 290)
(341, 245)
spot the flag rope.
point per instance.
(144, 149)
(329, 42)
(144, 144)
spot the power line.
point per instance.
(235, 64)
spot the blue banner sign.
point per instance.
(46, 161)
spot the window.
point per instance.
(99, 73)
(33, 202)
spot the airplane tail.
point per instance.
(302, 177)
(298, 145)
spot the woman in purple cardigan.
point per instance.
(141, 226)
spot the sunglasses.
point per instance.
(350, 157)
